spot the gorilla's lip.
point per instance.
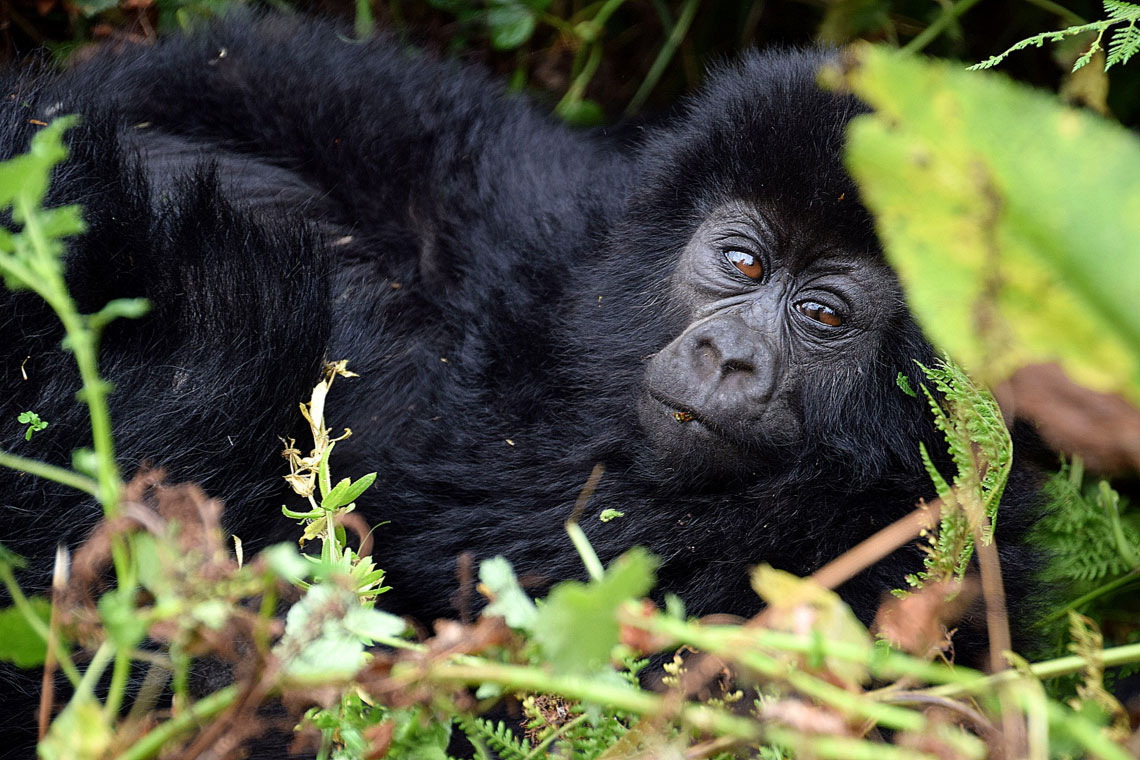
(694, 415)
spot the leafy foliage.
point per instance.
(1125, 41)
(982, 453)
(577, 626)
(1011, 233)
(496, 735)
(19, 642)
(1089, 532)
(34, 423)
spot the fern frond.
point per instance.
(1038, 40)
(497, 736)
(1124, 44)
(941, 487)
(1087, 532)
(982, 453)
(1118, 10)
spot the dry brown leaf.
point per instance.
(1103, 429)
(918, 623)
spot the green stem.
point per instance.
(585, 551)
(83, 341)
(737, 641)
(700, 717)
(1111, 501)
(50, 285)
(47, 471)
(558, 23)
(605, 12)
(840, 747)
(1086, 733)
(578, 87)
(154, 740)
(95, 396)
(86, 686)
(680, 29)
(930, 33)
(1062, 666)
(1096, 593)
(540, 748)
(119, 675)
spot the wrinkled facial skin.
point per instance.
(770, 330)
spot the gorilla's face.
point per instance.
(778, 321)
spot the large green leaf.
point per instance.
(510, 24)
(577, 626)
(1012, 220)
(19, 642)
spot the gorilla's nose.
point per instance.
(732, 360)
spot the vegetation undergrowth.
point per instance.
(803, 678)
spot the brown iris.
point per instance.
(748, 264)
(820, 313)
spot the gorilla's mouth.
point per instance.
(684, 415)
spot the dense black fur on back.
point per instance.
(283, 195)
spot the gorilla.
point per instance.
(708, 314)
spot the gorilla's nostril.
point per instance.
(707, 355)
(736, 365)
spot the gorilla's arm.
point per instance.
(412, 153)
(203, 384)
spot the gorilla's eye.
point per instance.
(748, 264)
(820, 313)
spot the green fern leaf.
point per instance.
(1088, 533)
(1118, 10)
(1124, 44)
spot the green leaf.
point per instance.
(83, 460)
(327, 658)
(318, 645)
(1125, 43)
(359, 487)
(130, 308)
(81, 732)
(507, 597)
(151, 566)
(62, 221)
(581, 113)
(121, 620)
(577, 626)
(797, 602)
(10, 559)
(346, 492)
(323, 474)
(1011, 219)
(419, 736)
(26, 177)
(333, 499)
(904, 385)
(33, 421)
(372, 624)
(19, 643)
(510, 25)
(285, 562)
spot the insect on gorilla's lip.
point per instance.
(684, 415)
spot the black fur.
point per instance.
(284, 195)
